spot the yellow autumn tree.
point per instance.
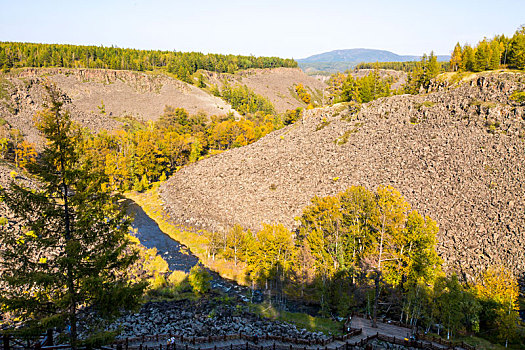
(455, 59)
(303, 94)
(25, 153)
(499, 285)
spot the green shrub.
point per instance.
(426, 104)
(292, 115)
(159, 281)
(199, 279)
(177, 278)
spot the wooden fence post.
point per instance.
(5, 341)
(49, 336)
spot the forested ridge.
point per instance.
(489, 54)
(407, 66)
(180, 64)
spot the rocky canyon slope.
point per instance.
(456, 154)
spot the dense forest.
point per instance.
(492, 54)
(141, 154)
(181, 64)
(244, 100)
(488, 54)
(346, 88)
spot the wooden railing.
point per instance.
(238, 336)
(247, 342)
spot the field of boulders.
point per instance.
(212, 315)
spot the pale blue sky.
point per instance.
(267, 27)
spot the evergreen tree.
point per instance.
(516, 55)
(482, 57)
(495, 54)
(66, 246)
(433, 67)
(467, 59)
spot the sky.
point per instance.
(284, 28)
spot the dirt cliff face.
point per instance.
(456, 154)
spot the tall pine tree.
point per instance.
(65, 246)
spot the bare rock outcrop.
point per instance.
(456, 154)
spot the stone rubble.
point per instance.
(202, 318)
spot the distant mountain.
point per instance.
(340, 60)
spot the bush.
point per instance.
(199, 279)
(159, 281)
(292, 115)
(518, 96)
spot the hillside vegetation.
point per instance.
(108, 99)
(395, 200)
